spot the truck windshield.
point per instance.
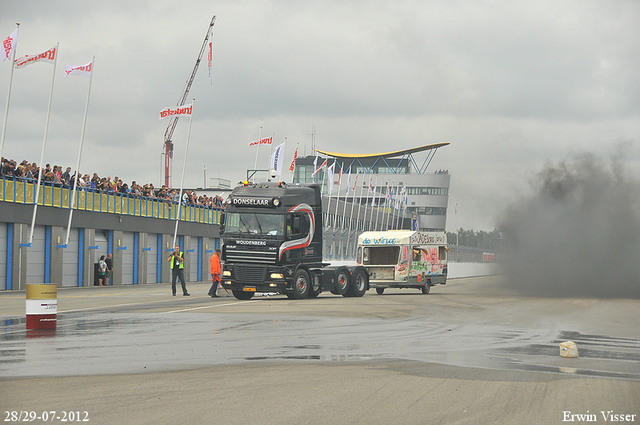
(254, 224)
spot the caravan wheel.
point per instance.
(427, 286)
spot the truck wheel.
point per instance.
(359, 285)
(380, 291)
(342, 282)
(301, 284)
(241, 295)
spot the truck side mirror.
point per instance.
(222, 217)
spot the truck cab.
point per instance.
(403, 259)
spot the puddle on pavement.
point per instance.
(146, 342)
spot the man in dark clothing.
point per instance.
(176, 260)
(109, 273)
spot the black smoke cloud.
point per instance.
(579, 234)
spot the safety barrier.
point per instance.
(24, 192)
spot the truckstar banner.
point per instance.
(48, 56)
(81, 70)
(8, 44)
(265, 141)
(179, 110)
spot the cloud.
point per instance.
(509, 84)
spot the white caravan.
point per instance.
(404, 259)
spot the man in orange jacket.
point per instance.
(215, 273)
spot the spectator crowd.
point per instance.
(66, 179)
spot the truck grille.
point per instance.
(249, 273)
(251, 255)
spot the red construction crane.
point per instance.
(168, 144)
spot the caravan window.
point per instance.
(442, 253)
(405, 254)
(380, 255)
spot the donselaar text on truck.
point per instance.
(403, 259)
(272, 235)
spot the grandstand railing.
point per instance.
(24, 192)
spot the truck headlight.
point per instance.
(226, 273)
(277, 276)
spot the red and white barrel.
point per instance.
(42, 306)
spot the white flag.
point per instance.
(373, 199)
(48, 56)
(81, 70)
(348, 182)
(178, 110)
(330, 171)
(276, 159)
(8, 44)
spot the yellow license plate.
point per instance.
(245, 289)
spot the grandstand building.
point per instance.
(427, 192)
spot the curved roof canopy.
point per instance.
(384, 154)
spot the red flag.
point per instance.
(293, 163)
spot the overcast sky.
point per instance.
(511, 85)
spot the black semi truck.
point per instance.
(272, 233)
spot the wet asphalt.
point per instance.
(471, 329)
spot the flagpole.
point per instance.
(44, 143)
(255, 166)
(397, 210)
(353, 204)
(398, 218)
(391, 215)
(271, 154)
(84, 125)
(346, 195)
(360, 207)
(366, 204)
(184, 167)
(389, 204)
(378, 208)
(324, 177)
(335, 214)
(6, 109)
(295, 162)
